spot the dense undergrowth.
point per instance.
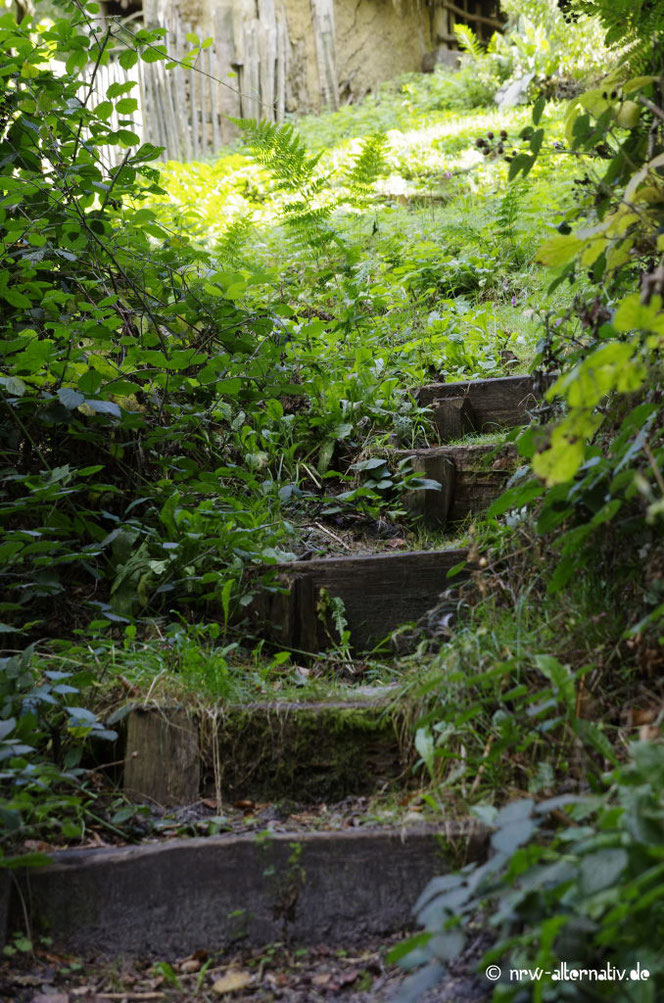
(198, 360)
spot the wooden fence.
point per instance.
(245, 72)
(188, 111)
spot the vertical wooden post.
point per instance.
(324, 37)
(433, 506)
(453, 417)
(162, 758)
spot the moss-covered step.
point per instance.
(471, 477)
(301, 751)
(482, 405)
(377, 593)
(181, 895)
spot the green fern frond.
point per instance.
(509, 210)
(294, 174)
(369, 164)
(230, 244)
(468, 41)
(640, 21)
(281, 151)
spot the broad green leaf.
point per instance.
(70, 398)
(559, 250)
(602, 869)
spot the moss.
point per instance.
(314, 752)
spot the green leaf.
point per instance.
(127, 59)
(104, 407)
(126, 106)
(13, 385)
(424, 743)
(559, 250)
(602, 870)
(6, 727)
(538, 109)
(401, 951)
(104, 109)
(70, 398)
(516, 497)
(561, 678)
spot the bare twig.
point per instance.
(328, 532)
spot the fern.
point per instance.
(279, 149)
(294, 171)
(230, 244)
(638, 25)
(468, 41)
(367, 166)
(509, 211)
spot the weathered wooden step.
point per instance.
(309, 751)
(471, 477)
(379, 592)
(182, 895)
(482, 405)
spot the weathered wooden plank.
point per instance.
(481, 472)
(379, 592)
(454, 418)
(322, 12)
(498, 403)
(250, 78)
(282, 43)
(433, 507)
(182, 895)
(162, 760)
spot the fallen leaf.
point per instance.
(190, 965)
(231, 982)
(209, 803)
(51, 998)
(397, 541)
(37, 846)
(637, 716)
(321, 980)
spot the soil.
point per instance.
(279, 972)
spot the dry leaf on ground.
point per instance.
(232, 981)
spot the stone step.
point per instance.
(471, 477)
(173, 897)
(305, 752)
(483, 405)
(379, 592)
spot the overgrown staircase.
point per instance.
(336, 882)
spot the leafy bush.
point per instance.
(589, 894)
(43, 729)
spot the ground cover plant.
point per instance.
(201, 362)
